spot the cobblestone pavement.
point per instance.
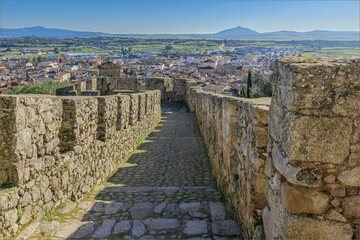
(164, 191)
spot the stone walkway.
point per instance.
(164, 191)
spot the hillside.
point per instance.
(239, 32)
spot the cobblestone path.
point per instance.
(164, 191)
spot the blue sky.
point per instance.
(181, 16)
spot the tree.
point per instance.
(56, 50)
(168, 47)
(34, 61)
(8, 49)
(263, 87)
(242, 92)
(249, 86)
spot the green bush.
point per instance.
(263, 87)
(39, 88)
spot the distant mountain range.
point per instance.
(44, 32)
(232, 33)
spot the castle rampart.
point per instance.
(313, 150)
(59, 148)
(311, 139)
(289, 165)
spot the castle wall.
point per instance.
(127, 83)
(313, 164)
(59, 148)
(235, 134)
(291, 166)
(99, 86)
(303, 157)
(172, 89)
(112, 72)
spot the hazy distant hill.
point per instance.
(44, 32)
(232, 33)
(237, 31)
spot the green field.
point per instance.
(335, 51)
(116, 45)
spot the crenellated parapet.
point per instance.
(59, 148)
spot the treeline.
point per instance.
(97, 41)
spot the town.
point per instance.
(218, 66)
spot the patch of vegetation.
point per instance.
(7, 185)
(262, 87)
(141, 139)
(39, 88)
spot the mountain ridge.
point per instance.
(237, 33)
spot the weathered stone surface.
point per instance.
(195, 227)
(226, 228)
(190, 206)
(197, 214)
(351, 206)
(122, 227)
(10, 218)
(99, 207)
(350, 177)
(297, 227)
(217, 211)
(313, 122)
(138, 228)
(67, 229)
(301, 200)
(334, 215)
(105, 229)
(28, 231)
(55, 150)
(336, 190)
(85, 231)
(159, 208)
(329, 142)
(162, 224)
(141, 210)
(113, 207)
(26, 217)
(68, 208)
(269, 223)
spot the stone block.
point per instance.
(318, 139)
(351, 206)
(300, 200)
(306, 228)
(350, 177)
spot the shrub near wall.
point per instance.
(58, 148)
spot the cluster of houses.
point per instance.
(218, 72)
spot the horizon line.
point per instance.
(180, 33)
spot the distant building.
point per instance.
(81, 55)
(109, 69)
(209, 64)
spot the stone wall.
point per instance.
(313, 164)
(235, 134)
(110, 72)
(172, 89)
(102, 85)
(58, 148)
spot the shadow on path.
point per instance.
(164, 191)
